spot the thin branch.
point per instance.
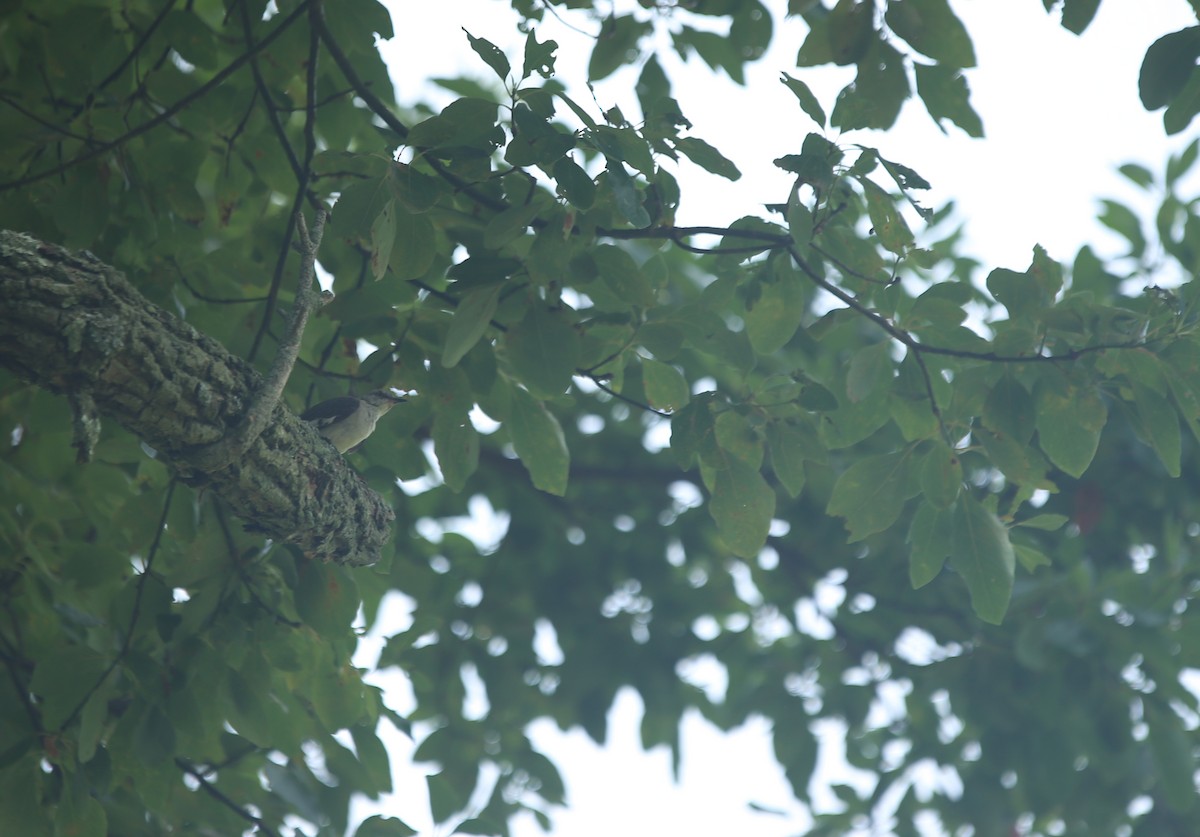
(305, 171)
(220, 796)
(181, 105)
(142, 40)
(127, 640)
(223, 452)
(260, 83)
(632, 401)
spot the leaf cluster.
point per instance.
(815, 445)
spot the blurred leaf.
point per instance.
(742, 504)
(871, 493)
(808, 102)
(1069, 421)
(471, 320)
(543, 349)
(666, 388)
(1169, 64)
(940, 475)
(946, 95)
(932, 29)
(931, 537)
(985, 559)
(538, 440)
(707, 157)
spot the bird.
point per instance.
(349, 419)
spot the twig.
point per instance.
(220, 796)
(223, 452)
(127, 640)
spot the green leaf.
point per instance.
(456, 444)
(1171, 747)
(1183, 109)
(886, 219)
(877, 94)
(984, 557)
(471, 320)
(932, 29)
(1009, 410)
(626, 195)
(1125, 222)
(617, 42)
(64, 678)
(946, 95)
(154, 739)
(539, 57)
(1184, 360)
(543, 349)
(742, 505)
(538, 440)
(808, 102)
(941, 475)
(1046, 522)
(931, 536)
(775, 315)
(871, 493)
(381, 826)
(871, 367)
(1078, 14)
(791, 444)
(491, 55)
(849, 32)
(1159, 426)
(1031, 559)
(326, 598)
(1019, 462)
(574, 183)
(625, 279)
(469, 121)
(383, 237)
(446, 797)
(707, 157)
(1069, 420)
(415, 246)
(1168, 66)
(666, 388)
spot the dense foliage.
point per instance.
(1001, 462)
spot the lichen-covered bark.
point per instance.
(71, 323)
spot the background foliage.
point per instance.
(999, 462)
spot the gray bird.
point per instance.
(349, 419)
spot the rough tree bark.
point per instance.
(73, 325)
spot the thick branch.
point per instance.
(69, 322)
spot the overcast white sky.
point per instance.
(1060, 113)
